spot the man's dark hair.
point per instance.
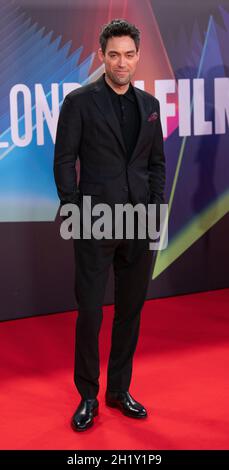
(118, 27)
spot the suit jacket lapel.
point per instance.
(142, 106)
(102, 99)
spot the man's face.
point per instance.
(120, 59)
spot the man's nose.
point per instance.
(122, 61)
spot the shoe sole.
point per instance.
(95, 413)
(114, 405)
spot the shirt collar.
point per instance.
(129, 93)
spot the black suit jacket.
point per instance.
(89, 129)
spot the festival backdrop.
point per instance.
(48, 48)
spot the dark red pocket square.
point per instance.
(152, 117)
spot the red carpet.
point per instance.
(180, 374)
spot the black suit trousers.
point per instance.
(132, 261)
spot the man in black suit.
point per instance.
(115, 130)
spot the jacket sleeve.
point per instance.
(157, 170)
(66, 149)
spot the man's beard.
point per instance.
(119, 80)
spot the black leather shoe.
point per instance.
(83, 416)
(126, 403)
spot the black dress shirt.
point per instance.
(127, 112)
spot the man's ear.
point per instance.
(100, 55)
